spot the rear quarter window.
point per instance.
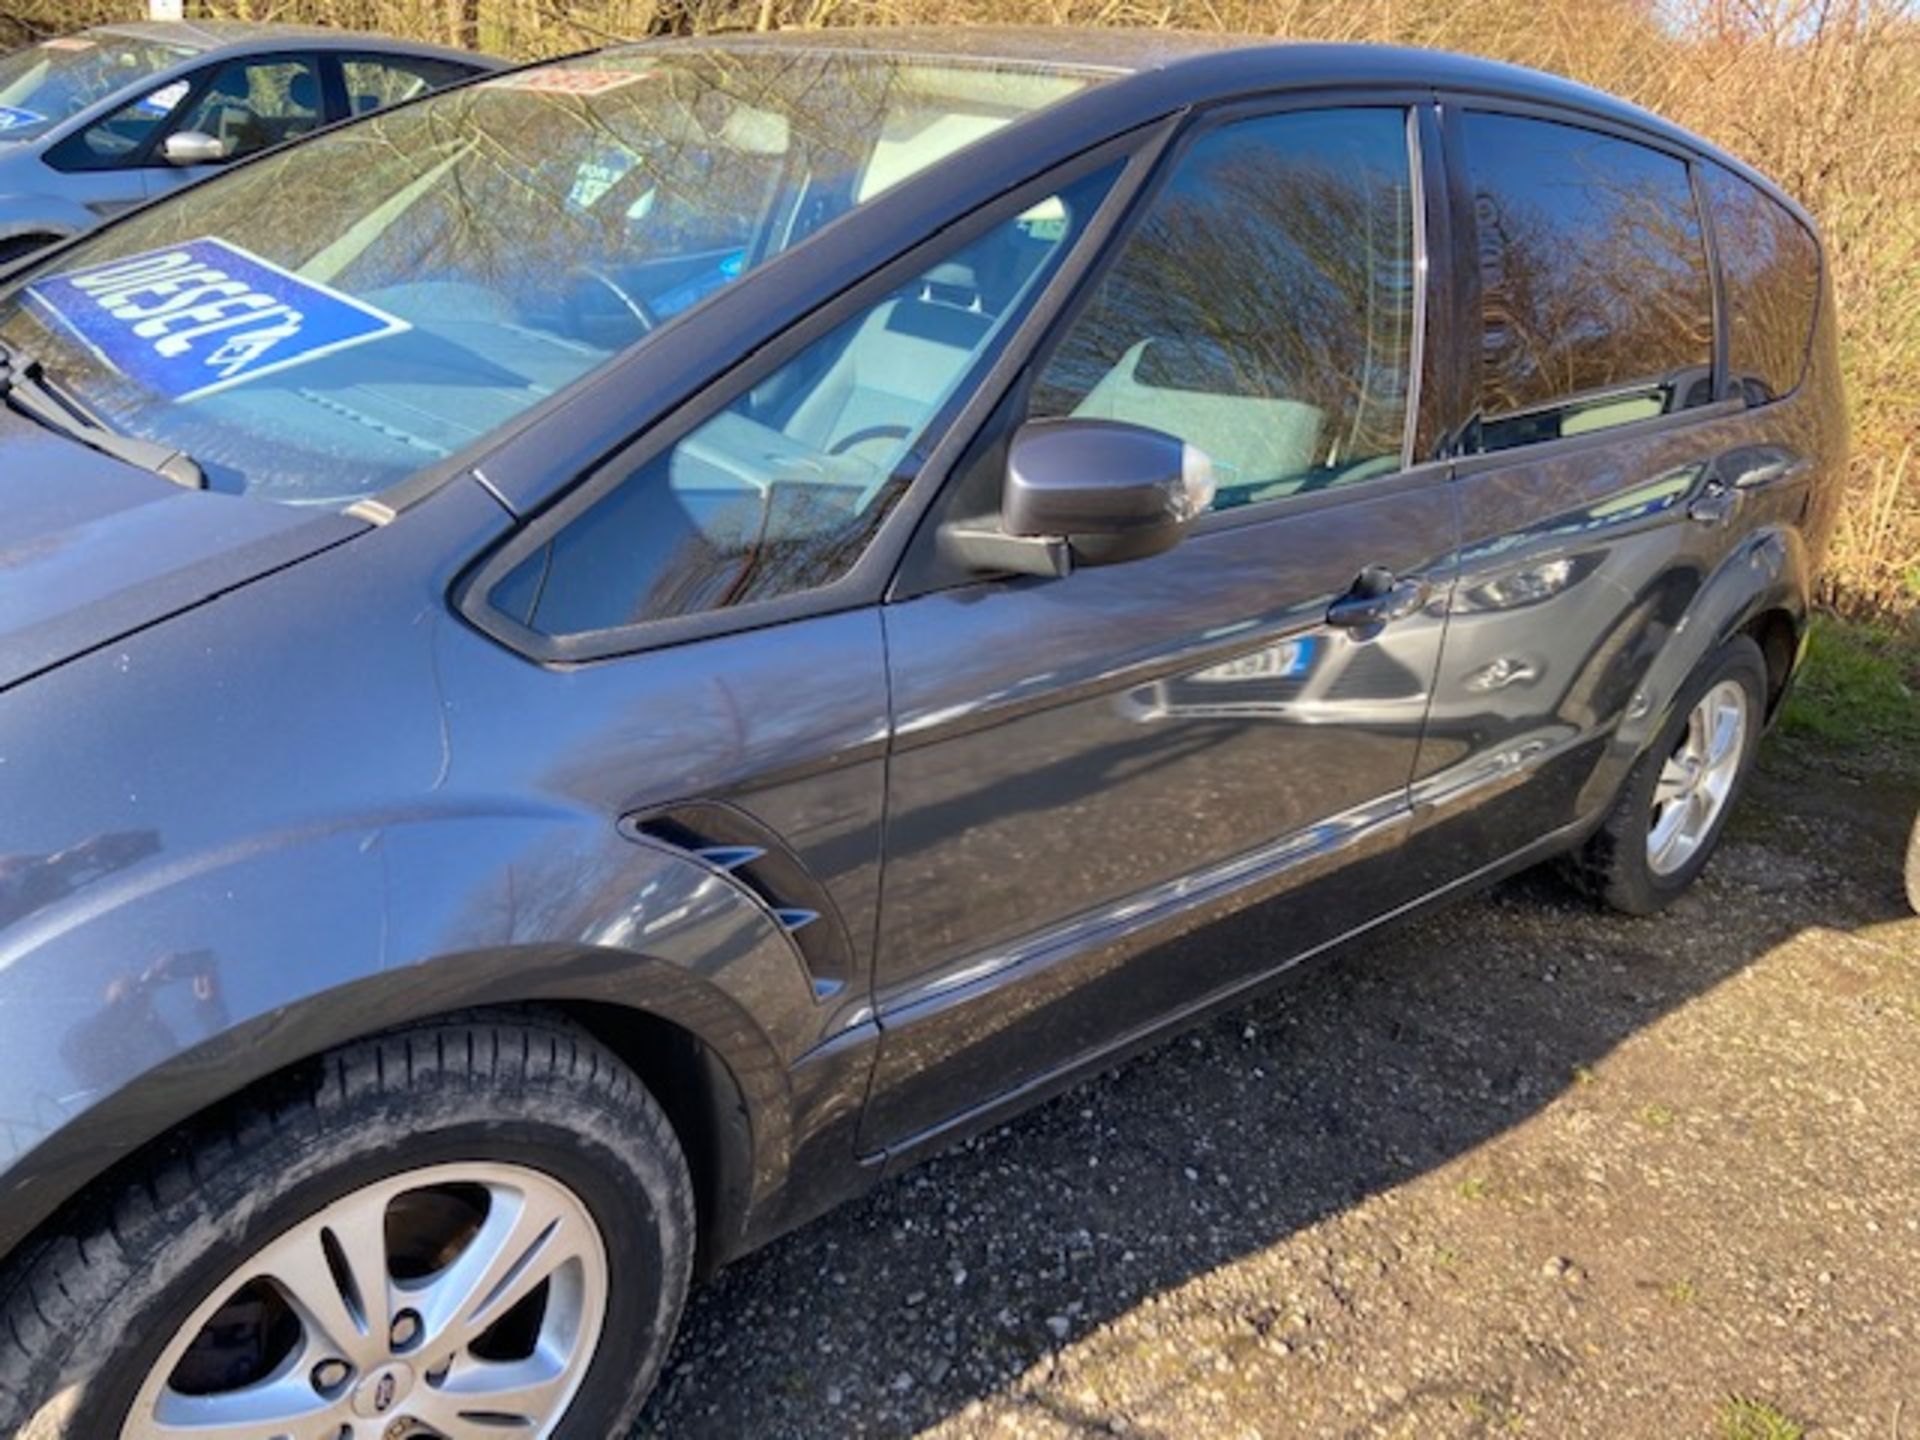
(1770, 265)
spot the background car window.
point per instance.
(1596, 305)
(1771, 269)
(375, 82)
(120, 138)
(1264, 307)
(782, 490)
(252, 104)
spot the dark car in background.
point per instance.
(100, 121)
(592, 663)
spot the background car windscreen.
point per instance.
(321, 324)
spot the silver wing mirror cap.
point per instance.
(193, 147)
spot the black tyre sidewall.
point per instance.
(1630, 883)
(296, 1172)
(1913, 867)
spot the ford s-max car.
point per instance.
(101, 121)
(597, 660)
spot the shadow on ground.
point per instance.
(1365, 1072)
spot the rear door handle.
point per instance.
(1715, 503)
(1755, 467)
(1378, 597)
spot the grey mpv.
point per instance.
(595, 661)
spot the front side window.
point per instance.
(782, 490)
(1264, 308)
(42, 85)
(1771, 268)
(321, 324)
(1596, 307)
(252, 104)
(122, 137)
(376, 81)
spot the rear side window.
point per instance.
(376, 81)
(1596, 307)
(1770, 265)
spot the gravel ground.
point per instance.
(1520, 1168)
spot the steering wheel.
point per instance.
(632, 304)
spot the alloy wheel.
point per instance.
(1697, 779)
(442, 1302)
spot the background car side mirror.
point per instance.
(193, 147)
(1088, 492)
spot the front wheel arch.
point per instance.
(152, 1241)
(20, 245)
(703, 1101)
(712, 1113)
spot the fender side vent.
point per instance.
(732, 841)
(729, 857)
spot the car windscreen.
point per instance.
(42, 85)
(321, 324)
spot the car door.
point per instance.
(247, 104)
(1086, 762)
(1596, 461)
(707, 604)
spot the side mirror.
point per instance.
(193, 147)
(1089, 492)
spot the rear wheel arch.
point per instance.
(1778, 632)
(1763, 584)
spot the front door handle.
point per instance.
(1377, 598)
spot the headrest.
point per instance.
(952, 282)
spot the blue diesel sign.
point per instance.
(199, 317)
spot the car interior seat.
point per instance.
(1173, 386)
(901, 362)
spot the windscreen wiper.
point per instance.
(23, 385)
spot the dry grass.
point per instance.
(1822, 94)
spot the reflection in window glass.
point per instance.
(1263, 310)
(505, 238)
(375, 82)
(1595, 297)
(121, 137)
(256, 103)
(1771, 268)
(782, 490)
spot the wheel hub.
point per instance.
(384, 1389)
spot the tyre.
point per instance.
(466, 1228)
(1913, 867)
(1674, 805)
